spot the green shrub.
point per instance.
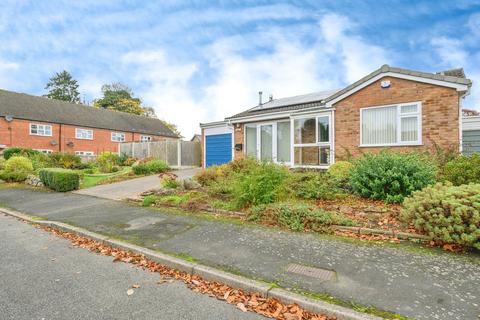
(157, 166)
(340, 170)
(18, 163)
(140, 169)
(14, 176)
(312, 185)
(82, 166)
(106, 161)
(2, 163)
(261, 184)
(210, 175)
(149, 200)
(40, 160)
(447, 213)
(297, 216)
(15, 151)
(391, 176)
(463, 170)
(169, 182)
(64, 160)
(60, 180)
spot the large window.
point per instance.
(391, 125)
(251, 140)
(40, 129)
(312, 141)
(283, 142)
(268, 141)
(145, 138)
(118, 136)
(85, 153)
(84, 134)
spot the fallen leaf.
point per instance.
(241, 306)
(136, 286)
(130, 292)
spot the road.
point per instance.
(43, 277)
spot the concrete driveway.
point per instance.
(132, 188)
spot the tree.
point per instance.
(149, 112)
(63, 87)
(172, 127)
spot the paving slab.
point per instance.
(409, 282)
(133, 187)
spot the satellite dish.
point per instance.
(53, 143)
(9, 118)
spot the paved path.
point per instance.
(42, 277)
(412, 283)
(133, 187)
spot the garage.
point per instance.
(218, 144)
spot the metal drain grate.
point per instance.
(318, 273)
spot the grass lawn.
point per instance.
(91, 180)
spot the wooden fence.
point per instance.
(176, 153)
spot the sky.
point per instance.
(201, 61)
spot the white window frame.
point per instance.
(417, 114)
(145, 138)
(316, 143)
(43, 129)
(257, 126)
(116, 134)
(45, 151)
(84, 153)
(79, 134)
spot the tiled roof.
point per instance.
(23, 106)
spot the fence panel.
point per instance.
(173, 152)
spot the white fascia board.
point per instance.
(457, 86)
(213, 124)
(268, 116)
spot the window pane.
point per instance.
(251, 141)
(312, 156)
(409, 129)
(379, 125)
(323, 129)
(283, 141)
(304, 130)
(266, 143)
(408, 109)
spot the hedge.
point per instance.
(60, 180)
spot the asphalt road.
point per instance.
(44, 277)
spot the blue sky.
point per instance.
(201, 61)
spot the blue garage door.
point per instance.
(218, 149)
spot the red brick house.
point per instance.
(389, 108)
(56, 126)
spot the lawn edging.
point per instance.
(208, 273)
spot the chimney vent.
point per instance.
(270, 98)
(260, 102)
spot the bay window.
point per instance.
(391, 125)
(312, 141)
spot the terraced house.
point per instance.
(56, 126)
(389, 108)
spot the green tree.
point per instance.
(119, 97)
(63, 87)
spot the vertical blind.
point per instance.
(379, 125)
(283, 141)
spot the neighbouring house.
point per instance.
(56, 126)
(471, 134)
(389, 108)
(196, 138)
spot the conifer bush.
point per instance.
(446, 212)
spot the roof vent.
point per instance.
(270, 98)
(260, 102)
(9, 118)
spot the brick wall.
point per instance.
(238, 134)
(440, 115)
(17, 134)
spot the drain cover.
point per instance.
(318, 273)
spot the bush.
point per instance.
(82, 166)
(106, 161)
(297, 216)
(18, 163)
(210, 175)
(169, 182)
(261, 184)
(10, 152)
(312, 185)
(463, 170)
(15, 176)
(447, 213)
(141, 169)
(391, 176)
(157, 166)
(60, 180)
(64, 159)
(2, 163)
(40, 160)
(340, 170)
(115, 168)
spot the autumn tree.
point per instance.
(63, 87)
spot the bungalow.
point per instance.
(389, 108)
(55, 126)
